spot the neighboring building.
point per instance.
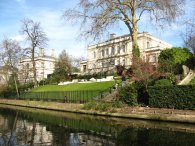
(4, 75)
(3, 80)
(118, 51)
(44, 65)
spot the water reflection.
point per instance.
(28, 127)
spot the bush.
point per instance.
(192, 82)
(163, 82)
(178, 97)
(128, 95)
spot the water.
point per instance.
(30, 127)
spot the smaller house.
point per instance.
(45, 65)
(4, 75)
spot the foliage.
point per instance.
(178, 97)
(128, 95)
(10, 54)
(63, 67)
(191, 62)
(26, 87)
(144, 71)
(163, 82)
(192, 82)
(171, 60)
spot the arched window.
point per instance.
(94, 54)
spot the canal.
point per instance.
(31, 127)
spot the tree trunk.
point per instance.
(34, 66)
(16, 86)
(135, 47)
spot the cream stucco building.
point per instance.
(44, 65)
(106, 55)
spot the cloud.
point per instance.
(61, 35)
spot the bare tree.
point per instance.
(11, 52)
(98, 15)
(189, 36)
(76, 63)
(36, 37)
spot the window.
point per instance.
(42, 64)
(112, 62)
(102, 64)
(103, 53)
(118, 62)
(124, 48)
(94, 66)
(124, 61)
(113, 51)
(94, 54)
(107, 51)
(148, 45)
(118, 50)
(27, 65)
(84, 68)
(152, 58)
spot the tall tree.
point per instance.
(11, 52)
(36, 37)
(98, 15)
(63, 67)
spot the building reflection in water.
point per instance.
(35, 128)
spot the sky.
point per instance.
(64, 35)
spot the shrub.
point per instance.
(178, 97)
(128, 95)
(163, 82)
(192, 82)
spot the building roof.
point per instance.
(126, 36)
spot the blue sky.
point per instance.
(63, 35)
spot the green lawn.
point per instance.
(76, 86)
(73, 92)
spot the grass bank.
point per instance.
(76, 93)
(169, 115)
(75, 86)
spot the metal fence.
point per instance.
(78, 96)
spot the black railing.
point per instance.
(76, 96)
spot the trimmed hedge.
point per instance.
(178, 97)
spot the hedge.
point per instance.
(177, 97)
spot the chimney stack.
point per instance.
(41, 52)
(112, 35)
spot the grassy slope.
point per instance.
(75, 86)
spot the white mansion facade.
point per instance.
(106, 55)
(44, 66)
